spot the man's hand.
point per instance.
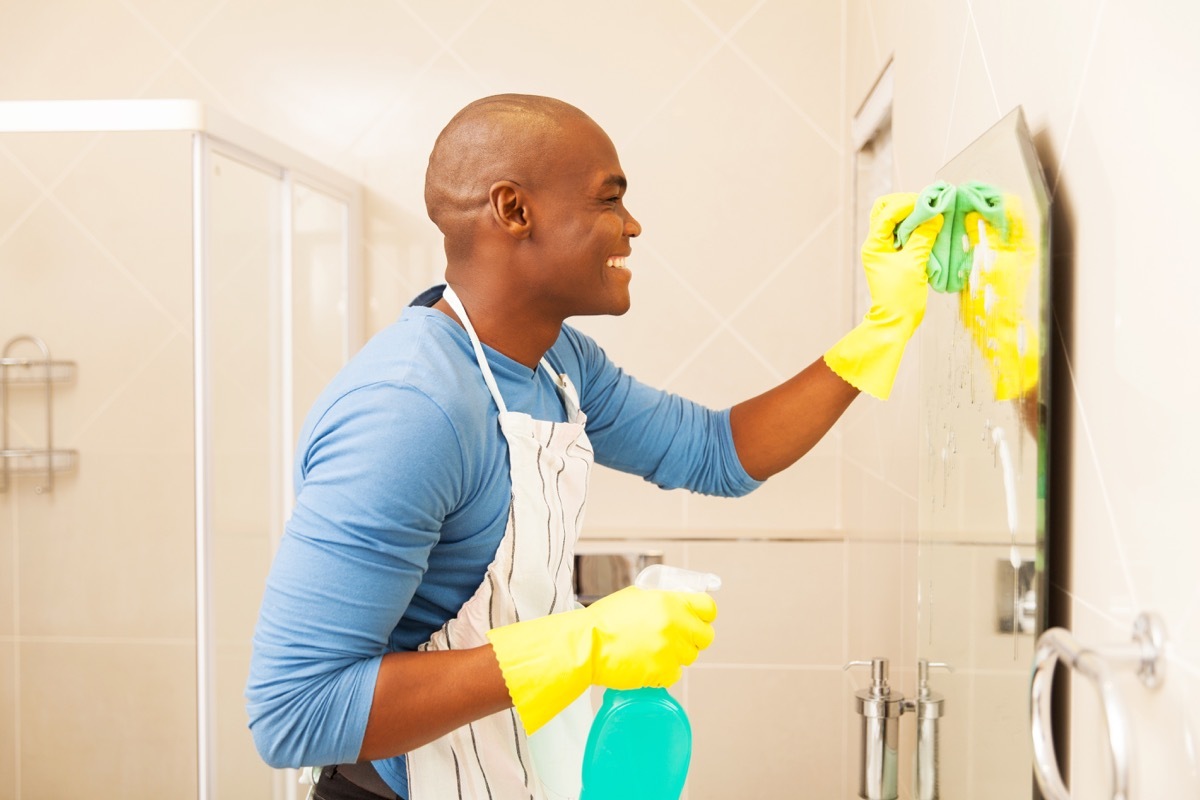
(869, 356)
(628, 640)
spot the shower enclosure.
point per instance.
(196, 284)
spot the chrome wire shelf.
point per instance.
(41, 372)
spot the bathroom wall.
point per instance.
(1105, 88)
(97, 590)
(729, 120)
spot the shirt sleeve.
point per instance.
(669, 440)
(368, 511)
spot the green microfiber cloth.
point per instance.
(949, 263)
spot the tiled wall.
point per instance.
(1106, 89)
(97, 591)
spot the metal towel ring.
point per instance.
(1146, 652)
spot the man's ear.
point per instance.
(510, 209)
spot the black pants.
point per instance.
(334, 785)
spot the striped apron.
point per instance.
(530, 577)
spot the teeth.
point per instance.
(618, 262)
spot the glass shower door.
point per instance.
(279, 258)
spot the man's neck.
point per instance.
(506, 327)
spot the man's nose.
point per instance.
(633, 228)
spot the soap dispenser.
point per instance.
(928, 707)
(880, 709)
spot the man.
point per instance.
(419, 614)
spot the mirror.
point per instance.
(982, 514)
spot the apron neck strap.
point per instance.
(559, 381)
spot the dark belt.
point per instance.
(364, 777)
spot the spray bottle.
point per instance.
(640, 744)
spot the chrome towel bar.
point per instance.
(1145, 652)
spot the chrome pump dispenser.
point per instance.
(880, 710)
(928, 707)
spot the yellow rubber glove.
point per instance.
(869, 356)
(631, 639)
(992, 303)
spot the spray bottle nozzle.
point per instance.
(676, 579)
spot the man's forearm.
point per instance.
(772, 431)
(422, 696)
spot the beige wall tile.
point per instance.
(874, 622)
(780, 602)
(132, 193)
(754, 734)
(866, 52)
(719, 372)
(801, 498)
(581, 43)
(343, 66)
(791, 43)
(110, 706)
(755, 218)
(241, 773)
(8, 719)
(149, 413)
(628, 505)
(62, 279)
(648, 343)
(8, 561)
(794, 317)
(112, 552)
(999, 742)
(47, 47)
(46, 158)
(18, 191)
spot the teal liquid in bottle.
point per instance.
(640, 744)
(639, 747)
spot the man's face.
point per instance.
(581, 227)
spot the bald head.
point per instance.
(509, 137)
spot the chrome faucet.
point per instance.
(880, 710)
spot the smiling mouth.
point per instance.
(617, 262)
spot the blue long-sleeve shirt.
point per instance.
(402, 495)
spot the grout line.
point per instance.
(786, 98)
(116, 262)
(983, 55)
(47, 195)
(444, 47)
(728, 665)
(177, 50)
(722, 40)
(99, 409)
(785, 263)
(954, 98)
(1104, 493)
(879, 476)
(1087, 64)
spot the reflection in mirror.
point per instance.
(983, 364)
